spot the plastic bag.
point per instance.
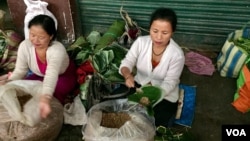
(27, 114)
(140, 126)
(34, 8)
(241, 100)
(75, 113)
(12, 130)
(232, 56)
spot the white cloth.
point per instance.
(57, 62)
(34, 8)
(166, 74)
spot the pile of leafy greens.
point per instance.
(105, 60)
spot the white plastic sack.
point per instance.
(34, 8)
(139, 128)
(8, 98)
(75, 113)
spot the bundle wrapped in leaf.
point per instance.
(112, 34)
(148, 96)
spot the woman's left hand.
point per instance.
(129, 81)
(44, 106)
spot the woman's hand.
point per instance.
(44, 105)
(3, 79)
(129, 81)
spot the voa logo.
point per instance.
(236, 132)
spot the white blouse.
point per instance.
(57, 62)
(166, 74)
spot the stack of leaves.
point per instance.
(105, 61)
(96, 54)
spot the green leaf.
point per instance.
(113, 32)
(153, 93)
(93, 38)
(79, 43)
(102, 59)
(82, 56)
(113, 75)
(119, 52)
(243, 43)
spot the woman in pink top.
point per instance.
(47, 60)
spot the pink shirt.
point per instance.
(42, 66)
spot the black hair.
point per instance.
(166, 14)
(47, 23)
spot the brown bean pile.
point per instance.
(114, 119)
(23, 99)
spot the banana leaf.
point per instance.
(104, 54)
(153, 93)
(112, 74)
(79, 43)
(107, 62)
(94, 38)
(112, 34)
(102, 59)
(119, 52)
(75, 49)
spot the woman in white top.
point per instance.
(159, 61)
(48, 62)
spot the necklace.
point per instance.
(158, 53)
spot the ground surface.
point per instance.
(213, 107)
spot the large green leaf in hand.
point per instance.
(153, 93)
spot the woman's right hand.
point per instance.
(3, 79)
(44, 105)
